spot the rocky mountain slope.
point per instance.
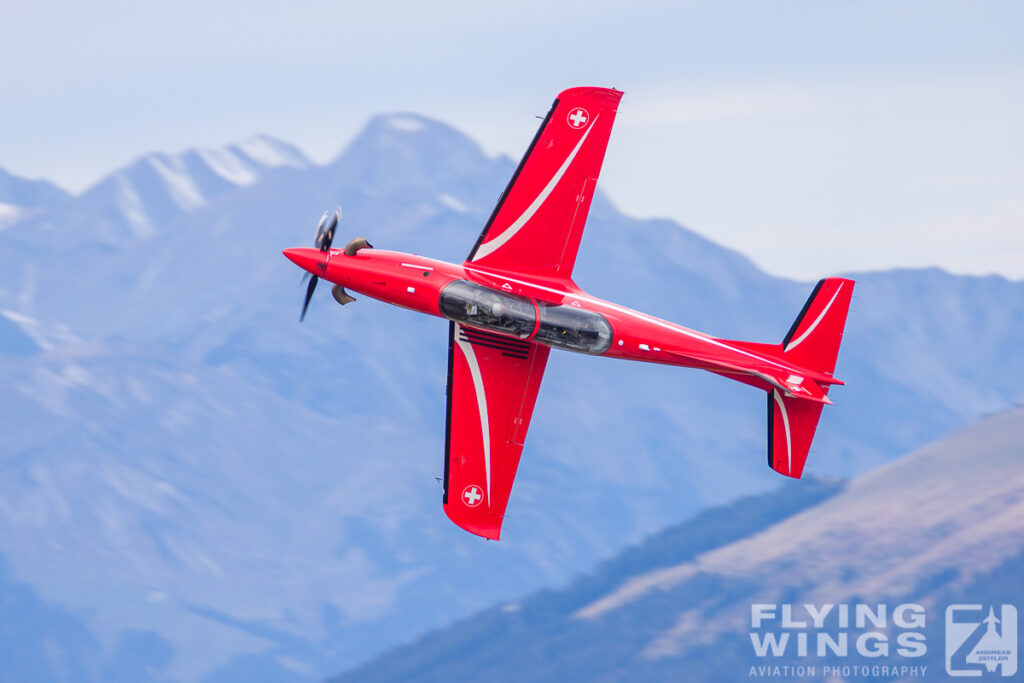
(21, 198)
(181, 459)
(942, 526)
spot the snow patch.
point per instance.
(130, 204)
(178, 182)
(19, 318)
(269, 153)
(406, 124)
(150, 277)
(9, 214)
(452, 203)
(29, 326)
(155, 597)
(229, 166)
(72, 375)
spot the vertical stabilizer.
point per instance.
(813, 340)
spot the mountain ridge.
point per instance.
(136, 200)
(21, 198)
(176, 360)
(852, 543)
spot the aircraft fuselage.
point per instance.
(550, 311)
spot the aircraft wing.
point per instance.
(492, 387)
(538, 222)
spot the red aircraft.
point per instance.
(514, 299)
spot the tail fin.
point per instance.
(813, 340)
(812, 343)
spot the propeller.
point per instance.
(324, 236)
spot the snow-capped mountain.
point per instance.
(15, 339)
(21, 198)
(135, 202)
(186, 464)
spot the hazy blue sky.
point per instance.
(813, 136)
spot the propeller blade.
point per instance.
(326, 235)
(309, 295)
(334, 225)
(320, 230)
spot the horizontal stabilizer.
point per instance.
(791, 425)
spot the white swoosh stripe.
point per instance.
(481, 402)
(793, 344)
(785, 422)
(491, 246)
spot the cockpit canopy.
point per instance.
(574, 328)
(480, 306)
(566, 327)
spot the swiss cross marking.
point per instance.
(472, 496)
(578, 117)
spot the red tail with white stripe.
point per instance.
(812, 343)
